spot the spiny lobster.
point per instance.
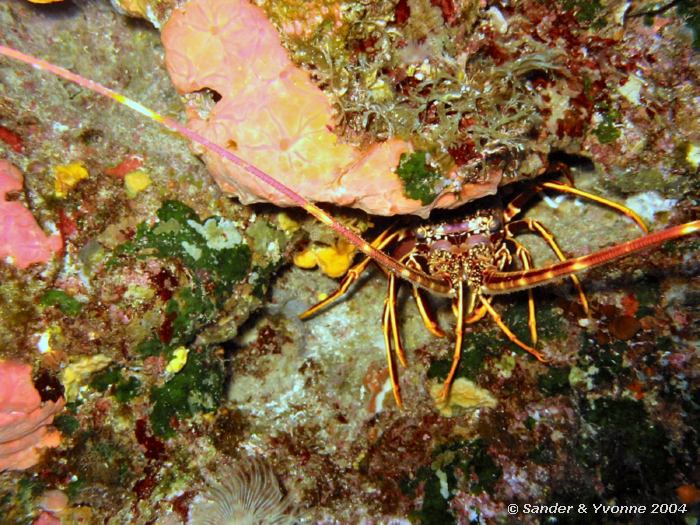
(467, 260)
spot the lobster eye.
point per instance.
(476, 240)
(441, 246)
(495, 224)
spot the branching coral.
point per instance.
(245, 493)
(24, 419)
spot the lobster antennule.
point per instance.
(419, 278)
(496, 282)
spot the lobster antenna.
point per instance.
(496, 282)
(389, 263)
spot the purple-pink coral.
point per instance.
(24, 419)
(21, 238)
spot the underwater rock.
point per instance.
(24, 419)
(155, 11)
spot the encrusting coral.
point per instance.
(21, 238)
(24, 419)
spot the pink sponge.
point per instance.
(24, 419)
(21, 238)
(273, 116)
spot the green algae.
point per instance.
(152, 346)
(605, 361)
(263, 276)
(419, 182)
(67, 424)
(67, 304)
(555, 381)
(214, 252)
(213, 245)
(470, 365)
(689, 11)
(436, 508)
(632, 453)
(127, 389)
(549, 323)
(190, 309)
(197, 388)
(106, 378)
(74, 488)
(112, 379)
(186, 313)
(608, 130)
(625, 453)
(475, 348)
(479, 467)
(217, 257)
(586, 11)
(457, 466)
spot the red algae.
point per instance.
(12, 139)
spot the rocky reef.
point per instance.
(151, 319)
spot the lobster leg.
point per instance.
(476, 316)
(426, 314)
(391, 297)
(384, 239)
(526, 259)
(495, 281)
(459, 326)
(393, 375)
(563, 188)
(539, 228)
(518, 203)
(507, 331)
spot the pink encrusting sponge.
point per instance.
(24, 418)
(22, 241)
